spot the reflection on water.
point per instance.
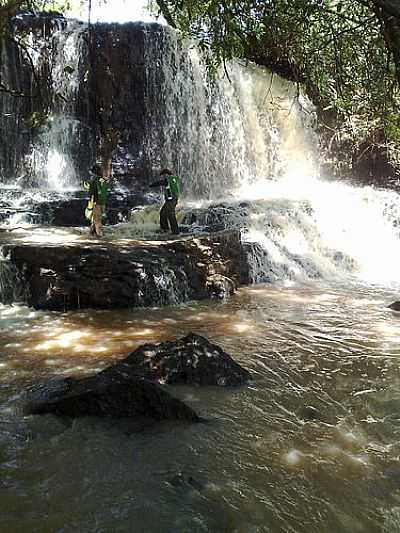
(311, 445)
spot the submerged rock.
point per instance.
(220, 287)
(184, 481)
(309, 412)
(110, 394)
(395, 306)
(190, 360)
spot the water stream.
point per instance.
(310, 445)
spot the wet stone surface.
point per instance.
(107, 274)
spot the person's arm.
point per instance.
(159, 183)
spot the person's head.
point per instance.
(166, 172)
(96, 170)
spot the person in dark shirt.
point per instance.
(171, 195)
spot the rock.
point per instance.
(184, 481)
(110, 394)
(220, 287)
(66, 209)
(70, 211)
(190, 360)
(107, 274)
(395, 306)
(308, 412)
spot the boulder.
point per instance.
(189, 360)
(110, 394)
(395, 306)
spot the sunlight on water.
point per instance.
(315, 432)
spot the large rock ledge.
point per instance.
(128, 273)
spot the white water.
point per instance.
(251, 144)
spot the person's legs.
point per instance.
(97, 219)
(164, 217)
(172, 216)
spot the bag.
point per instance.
(89, 210)
(173, 186)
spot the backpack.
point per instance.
(89, 210)
(101, 192)
(173, 186)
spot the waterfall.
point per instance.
(248, 146)
(45, 123)
(244, 145)
(219, 134)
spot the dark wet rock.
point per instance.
(395, 306)
(387, 484)
(108, 394)
(220, 287)
(311, 413)
(392, 473)
(379, 488)
(190, 360)
(308, 412)
(101, 274)
(71, 211)
(67, 209)
(185, 481)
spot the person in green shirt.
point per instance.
(171, 195)
(98, 190)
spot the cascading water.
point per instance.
(48, 138)
(247, 142)
(44, 119)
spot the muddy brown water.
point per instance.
(311, 445)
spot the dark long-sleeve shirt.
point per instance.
(168, 194)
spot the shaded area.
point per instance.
(108, 394)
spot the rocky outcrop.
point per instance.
(101, 274)
(127, 389)
(192, 360)
(108, 394)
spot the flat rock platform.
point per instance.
(61, 270)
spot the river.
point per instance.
(310, 445)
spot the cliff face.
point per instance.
(46, 134)
(65, 88)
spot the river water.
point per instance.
(310, 445)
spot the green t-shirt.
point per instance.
(99, 190)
